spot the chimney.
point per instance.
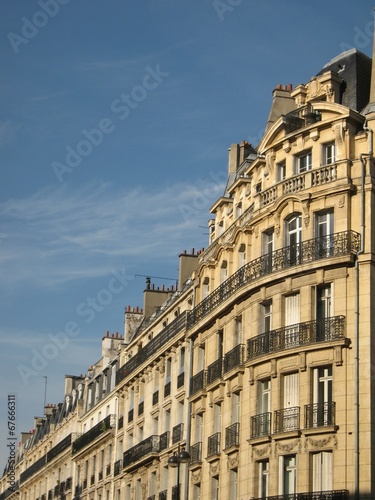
(133, 318)
(188, 264)
(234, 158)
(282, 103)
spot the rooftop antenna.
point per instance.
(148, 279)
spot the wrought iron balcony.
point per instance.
(69, 482)
(117, 468)
(35, 467)
(196, 453)
(214, 371)
(59, 448)
(180, 380)
(300, 334)
(175, 492)
(260, 425)
(78, 490)
(287, 420)
(151, 497)
(232, 435)
(167, 389)
(213, 444)
(155, 398)
(151, 348)
(301, 117)
(84, 484)
(164, 441)
(335, 245)
(89, 436)
(234, 358)
(146, 448)
(177, 433)
(198, 382)
(320, 415)
(319, 495)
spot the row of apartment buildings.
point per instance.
(257, 367)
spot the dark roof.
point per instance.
(354, 67)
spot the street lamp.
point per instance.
(179, 457)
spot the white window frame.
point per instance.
(303, 162)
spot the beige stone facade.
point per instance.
(259, 363)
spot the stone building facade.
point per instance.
(259, 363)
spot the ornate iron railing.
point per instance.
(151, 348)
(260, 425)
(35, 467)
(177, 433)
(89, 436)
(287, 337)
(232, 435)
(59, 448)
(196, 453)
(213, 444)
(176, 492)
(148, 446)
(163, 495)
(287, 419)
(214, 371)
(198, 382)
(334, 245)
(234, 358)
(320, 415)
(301, 117)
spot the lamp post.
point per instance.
(179, 457)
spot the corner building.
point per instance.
(259, 363)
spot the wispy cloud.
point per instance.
(59, 235)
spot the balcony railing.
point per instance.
(287, 420)
(335, 245)
(177, 433)
(151, 497)
(301, 117)
(151, 348)
(176, 492)
(59, 448)
(198, 382)
(196, 453)
(92, 434)
(35, 467)
(319, 495)
(146, 447)
(214, 371)
(213, 444)
(260, 425)
(117, 468)
(300, 334)
(320, 415)
(164, 441)
(232, 435)
(234, 358)
(180, 380)
(163, 495)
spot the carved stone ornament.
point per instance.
(277, 223)
(330, 93)
(215, 469)
(196, 476)
(260, 452)
(161, 366)
(340, 150)
(233, 461)
(288, 447)
(341, 202)
(320, 443)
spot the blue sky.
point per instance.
(116, 117)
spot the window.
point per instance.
(322, 413)
(198, 427)
(322, 471)
(233, 484)
(263, 477)
(196, 491)
(288, 475)
(267, 250)
(219, 344)
(265, 317)
(329, 153)
(220, 228)
(288, 419)
(235, 407)
(303, 162)
(238, 210)
(263, 420)
(293, 236)
(237, 337)
(292, 319)
(215, 488)
(223, 271)
(323, 233)
(242, 255)
(281, 171)
(205, 287)
(324, 311)
(217, 418)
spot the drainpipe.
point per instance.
(356, 311)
